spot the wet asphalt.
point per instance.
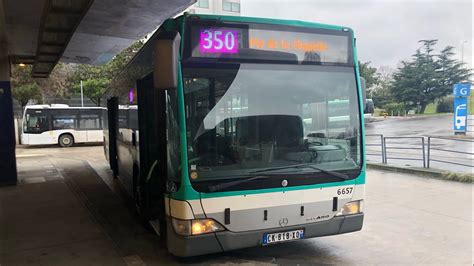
(68, 209)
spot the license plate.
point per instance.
(271, 238)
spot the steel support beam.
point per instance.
(58, 24)
(8, 173)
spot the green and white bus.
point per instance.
(208, 130)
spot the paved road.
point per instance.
(70, 214)
(420, 126)
(436, 125)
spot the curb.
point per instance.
(431, 173)
(381, 118)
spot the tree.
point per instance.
(57, 83)
(24, 87)
(369, 74)
(97, 79)
(94, 88)
(26, 92)
(404, 86)
(450, 70)
(380, 93)
(21, 75)
(427, 77)
(118, 63)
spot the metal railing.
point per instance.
(470, 124)
(430, 148)
(371, 144)
(422, 148)
(388, 146)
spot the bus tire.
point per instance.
(66, 140)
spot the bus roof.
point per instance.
(297, 23)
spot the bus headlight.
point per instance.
(196, 227)
(352, 207)
(181, 227)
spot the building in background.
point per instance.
(216, 7)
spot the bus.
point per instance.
(369, 111)
(207, 131)
(338, 112)
(61, 124)
(337, 118)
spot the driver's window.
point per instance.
(37, 122)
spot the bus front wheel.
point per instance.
(66, 140)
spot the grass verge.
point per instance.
(466, 178)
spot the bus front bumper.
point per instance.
(187, 246)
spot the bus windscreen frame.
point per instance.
(193, 32)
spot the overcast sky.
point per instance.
(387, 31)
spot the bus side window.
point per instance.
(90, 120)
(173, 143)
(64, 119)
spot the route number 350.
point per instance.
(218, 41)
(344, 191)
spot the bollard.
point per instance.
(384, 147)
(423, 149)
(428, 153)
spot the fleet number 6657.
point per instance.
(344, 191)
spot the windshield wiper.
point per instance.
(253, 175)
(302, 165)
(221, 186)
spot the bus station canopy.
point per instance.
(44, 32)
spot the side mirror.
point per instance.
(364, 92)
(165, 60)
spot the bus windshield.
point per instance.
(242, 118)
(36, 121)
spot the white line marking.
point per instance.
(29, 155)
(33, 180)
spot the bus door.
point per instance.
(152, 134)
(111, 146)
(36, 127)
(90, 121)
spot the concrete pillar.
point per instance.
(8, 173)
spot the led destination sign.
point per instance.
(257, 43)
(288, 45)
(218, 41)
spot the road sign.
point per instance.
(460, 114)
(461, 90)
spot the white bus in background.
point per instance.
(61, 124)
(369, 111)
